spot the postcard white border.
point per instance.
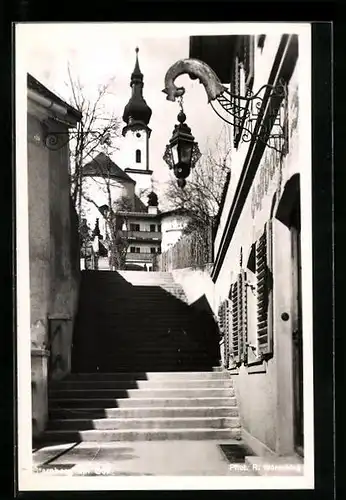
(29, 481)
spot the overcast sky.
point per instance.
(99, 52)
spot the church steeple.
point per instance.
(137, 75)
(137, 109)
(137, 133)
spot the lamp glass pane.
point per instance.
(175, 154)
(186, 152)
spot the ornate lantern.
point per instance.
(182, 152)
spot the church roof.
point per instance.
(103, 166)
(139, 205)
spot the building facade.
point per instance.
(173, 223)
(104, 182)
(256, 275)
(53, 242)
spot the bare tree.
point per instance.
(115, 213)
(95, 130)
(116, 218)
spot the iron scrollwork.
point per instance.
(55, 140)
(242, 112)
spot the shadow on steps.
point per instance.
(124, 327)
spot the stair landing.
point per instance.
(156, 458)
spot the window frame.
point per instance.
(244, 62)
(264, 282)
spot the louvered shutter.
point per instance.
(227, 339)
(224, 325)
(221, 319)
(235, 89)
(264, 291)
(242, 300)
(235, 354)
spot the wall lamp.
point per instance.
(243, 112)
(182, 152)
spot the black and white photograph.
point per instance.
(164, 256)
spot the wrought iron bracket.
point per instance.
(245, 113)
(55, 140)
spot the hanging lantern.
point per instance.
(182, 152)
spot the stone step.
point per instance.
(159, 345)
(170, 302)
(142, 412)
(145, 288)
(128, 356)
(141, 435)
(145, 423)
(141, 384)
(140, 393)
(106, 367)
(140, 402)
(216, 372)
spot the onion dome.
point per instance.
(137, 109)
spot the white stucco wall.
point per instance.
(130, 144)
(172, 227)
(265, 399)
(263, 65)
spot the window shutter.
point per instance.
(249, 60)
(235, 323)
(235, 89)
(220, 319)
(264, 292)
(242, 297)
(227, 347)
(223, 321)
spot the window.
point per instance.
(224, 328)
(152, 250)
(233, 323)
(159, 228)
(238, 334)
(264, 291)
(138, 155)
(138, 250)
(260, 41)
(134, 227)
(135, 250)
(152, 228)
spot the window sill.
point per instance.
(233, 371)
(257, 367)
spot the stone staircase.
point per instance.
(150, 406)
(145, 366)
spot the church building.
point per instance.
(128, 189)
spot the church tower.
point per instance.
(137, 133)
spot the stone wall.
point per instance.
(54, 262)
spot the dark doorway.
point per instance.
(295, 225)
